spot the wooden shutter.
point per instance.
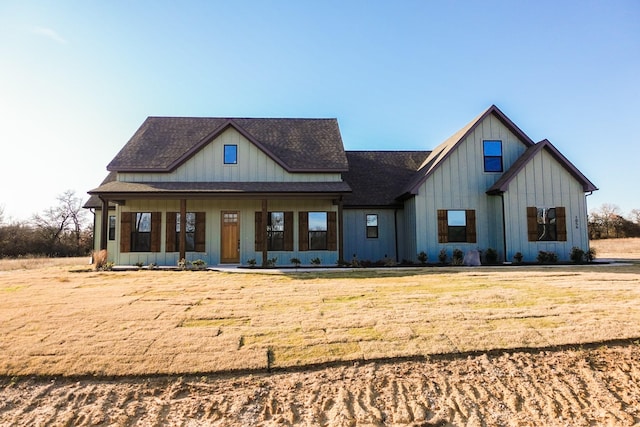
(288, 231)
(303, 231)
(156, 223)
(259, 232)
(532, 223)
(125, 231)
(170, 240)
(332, 231)
(443, 228)
(470, 215)
(201, 232)
(561, 224)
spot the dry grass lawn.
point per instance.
(62, 320)
(84, 348)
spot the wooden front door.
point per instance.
(230, 237)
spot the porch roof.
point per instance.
(123, 190)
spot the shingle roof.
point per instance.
(120, 188)
(377, 178)
(502, 184)
(442, 151)
(94, 202)
(299, 145)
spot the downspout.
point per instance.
(340, 231)
(504, 227)
(395, 232)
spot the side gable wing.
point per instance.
(502, 184)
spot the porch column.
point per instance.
(104, 223)
(265, 235)
(340, 233)
(183, 229)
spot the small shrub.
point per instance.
(295, 261)
(271, 262)
(576, 255)
(316, 261)
(153, 266)
(108, 266)
(99, 259)
(442, 256)
(457, 257)
(518, 257)
(390, 262)
(199, 264)
(251, 262)
(491, 256)
(422, 257)
(590, 255)
(342, 263)
(545, 257)
(183, 264)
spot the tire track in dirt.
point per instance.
(597, 386)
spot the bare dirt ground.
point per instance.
(570, 387)
(552, 385)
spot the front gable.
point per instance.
(207, 164)
(466, 146)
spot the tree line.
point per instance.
(608, 222)
(63, 230)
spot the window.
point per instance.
(230, 154)
(372, 226)
(141, 232)
(275, 231)
(547, 224)
(278, 230)
(190, 232)
(492, 151)
(456, 226)
(112, 227)
(317, 231)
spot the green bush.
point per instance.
(491, 256)
(577, 255)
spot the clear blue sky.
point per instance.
(77, 78)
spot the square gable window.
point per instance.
(230, 154)
(492, 151)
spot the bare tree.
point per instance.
(56, 223)
(634, 215)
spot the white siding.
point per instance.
(461, 183)
(545, 183)
(207, 165)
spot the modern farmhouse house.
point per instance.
(227, 190)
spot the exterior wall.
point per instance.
(407, 243)
(207, 165)
(356, 242)
(545, 183)
(460, 183)
(97, 232)
(213, 209)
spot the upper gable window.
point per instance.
(492, 151)
(230, 154)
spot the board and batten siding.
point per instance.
(407, 245)
(207, 165)
(356, 242)
(213, 209)
(460, 183)
(544, 183)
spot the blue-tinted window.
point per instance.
(492, 151)
(230, 154)
(318, 230)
